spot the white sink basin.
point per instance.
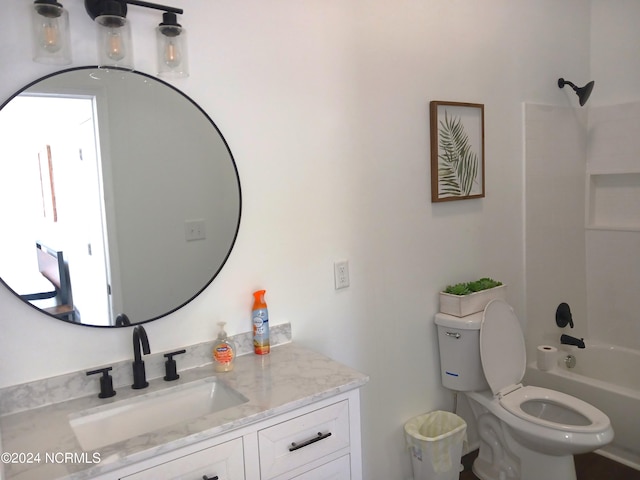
(101, 426)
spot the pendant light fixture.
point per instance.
(172, 48)
(51, 44)
(115, 48)
(50, 33)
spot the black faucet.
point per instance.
(139, 375)
(569, 340)
(122, 320)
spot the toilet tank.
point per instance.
(459, 343)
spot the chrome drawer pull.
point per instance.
(453, 334)
(321, 436)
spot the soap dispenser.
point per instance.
(224, 351)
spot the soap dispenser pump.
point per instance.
(224, 351)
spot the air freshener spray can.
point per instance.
(260, 317)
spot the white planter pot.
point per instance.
(463, 305)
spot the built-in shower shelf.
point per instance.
(613, 200)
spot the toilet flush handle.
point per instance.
(455, 335)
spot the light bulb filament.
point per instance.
(172, 55)
(50, 36)
(115, 46)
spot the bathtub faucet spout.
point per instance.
(569, 340)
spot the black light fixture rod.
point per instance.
(140, 3)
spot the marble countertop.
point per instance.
(288, 378)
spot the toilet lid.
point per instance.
(502, 348)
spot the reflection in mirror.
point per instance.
(120, 194)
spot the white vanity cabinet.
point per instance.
(335, 470)
(305, 441)
(224, 462)
(320, 441)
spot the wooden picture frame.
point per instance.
(457, 151)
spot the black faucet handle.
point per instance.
(171, 368)
(106, 382)
(563, 315)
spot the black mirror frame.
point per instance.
(235, 167)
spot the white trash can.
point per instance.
(435, 441)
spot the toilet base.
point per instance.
(501, 457)
(560, 468)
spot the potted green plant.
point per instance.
(462, 299)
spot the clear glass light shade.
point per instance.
(50, 33)
(115, 48)
(172, 52)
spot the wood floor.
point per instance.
(589, 466)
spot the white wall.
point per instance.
(324, 104)
(615, 63)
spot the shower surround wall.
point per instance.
(613, 219)
(582, 180)
(555, 153)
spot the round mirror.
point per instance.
(119, 196)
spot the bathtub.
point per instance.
(607, 377)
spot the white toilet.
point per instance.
(526, 433)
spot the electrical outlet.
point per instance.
(194, 230)
(341, 274)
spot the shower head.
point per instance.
(582, 92)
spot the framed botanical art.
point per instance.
(457, 151)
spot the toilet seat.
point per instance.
(502, 349)
(503, 356)
(580, 416)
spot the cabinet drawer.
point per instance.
(225, 460)
(296, 442)
(339, 469)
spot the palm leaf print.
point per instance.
(457, 164)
